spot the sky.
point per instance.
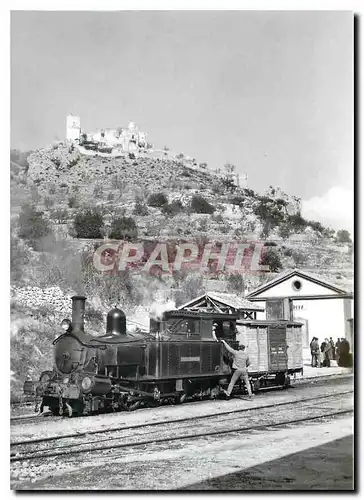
(271, 92)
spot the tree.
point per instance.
(271, 258)
(88, 224)
(32, 225)
(123, 228)
(269, 214)
(343, 236)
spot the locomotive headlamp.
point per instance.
(66, 380)
(86, 383)
(66, 325)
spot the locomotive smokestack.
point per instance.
(78, 312)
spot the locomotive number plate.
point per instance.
(187, 359)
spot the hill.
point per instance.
(161, 198)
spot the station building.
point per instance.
(324, 309)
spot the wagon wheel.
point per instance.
(180, 398)
(215, 391)
(156, 397)
(280, 379)
(131, 405)
(255, 385)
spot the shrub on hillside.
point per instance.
(236, 283)
(343, 236)
(299, 258)
(284, 231)
(287, 252)
(60, 215)
(72, 202)
(157, 200)
(173, 208)
(229, 184)
(32, 225)
(250, 192)
(296, 223)
(88, 224)
(123, 228)
(237, 200)
(271, 258)
(201, 206)
(203, 165)
(316, 226)
(140, 208)
(72, 163)
(56, 161)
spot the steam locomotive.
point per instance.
(177, 360)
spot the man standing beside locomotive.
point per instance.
(240, 367)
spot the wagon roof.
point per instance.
(178, 313)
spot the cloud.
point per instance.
(335, 208)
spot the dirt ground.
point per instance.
(315, 456)
(327, 467)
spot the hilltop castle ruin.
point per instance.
(127, 139)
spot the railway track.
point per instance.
(155, 433)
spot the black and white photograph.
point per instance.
(182, 250)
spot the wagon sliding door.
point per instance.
(277, 348)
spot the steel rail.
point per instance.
(180, 438)
(174, 421)
(219, 421)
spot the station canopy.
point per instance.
(222, 303)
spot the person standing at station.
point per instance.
(240, 367)
(315, 352)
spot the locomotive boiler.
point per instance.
(177, 359)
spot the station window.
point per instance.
(297, 285)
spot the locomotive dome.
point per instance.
(116, 322)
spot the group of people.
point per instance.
(321, 355)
